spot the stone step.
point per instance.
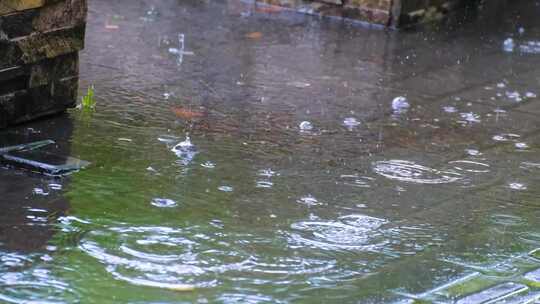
(62, 14)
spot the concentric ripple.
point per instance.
(351, 232)
(407, 171)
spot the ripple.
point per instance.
(309, 200)
(408, 171)
(226, 188)
(470, 166)
(164, 203)
(507, 220)
(352, 232)
(517, 186)
(506, 137)
(357, 181)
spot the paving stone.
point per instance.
(494, 293)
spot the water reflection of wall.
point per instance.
(31, 203)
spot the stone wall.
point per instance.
(391, 13)
(39, 44)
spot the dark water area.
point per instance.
(242, 154)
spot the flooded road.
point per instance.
(250, 155)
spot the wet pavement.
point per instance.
(242, 154)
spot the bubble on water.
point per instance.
(306, 126)
(351, 123)
(501, 85)
(226, 188)
(208, 165)
(521, 145)
(506, 137)
(517, 186)
(163, 203)
(308, 200)
(450, 109)
(400, 104)
(509, 45)
(166, 95)
(407, 171)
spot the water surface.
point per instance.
(257, 156)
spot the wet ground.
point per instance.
(259, 156)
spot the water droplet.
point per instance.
(163, 203)
(306, 126)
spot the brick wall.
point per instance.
(39, 44)
(393, 13)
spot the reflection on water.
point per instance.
(244, 155)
